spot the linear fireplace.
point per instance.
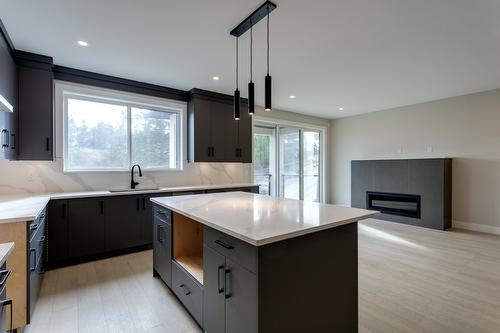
(394, 203)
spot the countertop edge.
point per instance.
(4, 255)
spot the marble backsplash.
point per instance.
(20, 177)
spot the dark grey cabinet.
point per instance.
(57, 234)
(35, 107)
(123, 223)
(213, 133)
(230, 301)
(86, 227)
(162, 244)
(8, 89)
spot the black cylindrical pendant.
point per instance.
(237, 104)
(251, 98)
(268, 93)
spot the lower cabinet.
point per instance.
(57, 231)
(230, 295)
(162, 249)
(123, 222)
(188, 290)
(86, 227)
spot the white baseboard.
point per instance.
(476, 227)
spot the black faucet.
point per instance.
(132, 182)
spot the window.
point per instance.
(103, 134)
(293, 153)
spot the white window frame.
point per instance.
(64, 90)
(276, 124)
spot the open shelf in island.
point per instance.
(188, 245)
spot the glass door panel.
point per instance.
(289, 157)
(311, 165)
(264, 161)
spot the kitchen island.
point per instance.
(242, 262)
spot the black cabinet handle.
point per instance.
(13, 145)
(32, 265)
(4, 139)
(209, 151)
(159, 231)
(5, 303)
(64, 211)
(186, 290)
(161, 212)
(3, 277)
(47, 144)
(219, 269)
(42, 239)
(143, 203)
(102, 207)
(7, 137)
(137, 204)
(227, 275)
(224, 245)
(34, 226)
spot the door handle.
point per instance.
(143, 203)
(34, 226)
(227, 275)
(137, 204)
(159, 211)
(219, 269)
(224, 245)
(186, 290)
(32, 266)
(158, 236)
(47, 144)
(209, 151)
(4, 140)
(13, 146)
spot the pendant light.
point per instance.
(237, 91)
(268, 81)
(251, 88)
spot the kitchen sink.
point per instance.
(134, 189)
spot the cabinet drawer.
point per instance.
(242, 253)
(37, 244)
(162, 213)
(37, 223)
(188, 291)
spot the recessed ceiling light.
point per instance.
(216, 78)
(341, 109)
(292, 96)
(83, 43)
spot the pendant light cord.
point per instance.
(251, 51)
(268, 40)
(236, 63)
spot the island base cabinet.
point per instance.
(162, 250)
(230, 295)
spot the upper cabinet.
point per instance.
(213, 133)
(35, 107)
(8, 99)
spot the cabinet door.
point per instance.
(123, 227)
(200, 123)
(162, 250)
(241, 299)
(213, 291)
(86, 227)
(35, 114)
(224, 132)
(245, 136)
(58, 231)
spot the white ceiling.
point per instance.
(363, 55)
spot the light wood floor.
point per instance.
(410, 280)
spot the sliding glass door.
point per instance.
(264, 159)
(287, 161)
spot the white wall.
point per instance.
(466, 128)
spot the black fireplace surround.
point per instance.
(411, 191)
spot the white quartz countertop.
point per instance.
(26, 207)
(260, 219)
(5, 250)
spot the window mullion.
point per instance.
(129, 135)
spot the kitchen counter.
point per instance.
(25, 207)
(5, 250)
(259, 219)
